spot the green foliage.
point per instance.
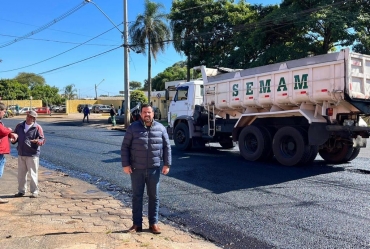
(137, 95)
(150, 30)
(48, 95)
(135, 85)
(175, 72)
(239, 35)
(12, 89)
(30, 79)
(70, 92)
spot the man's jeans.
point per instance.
(2, 164)
(140, 178)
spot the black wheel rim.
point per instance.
(180, 137)
(250, 143)
(288, 146)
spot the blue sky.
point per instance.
(19, 18)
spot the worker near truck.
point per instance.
(145, 145)
(113, 114)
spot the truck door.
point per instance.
(181, 104)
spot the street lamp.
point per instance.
(31, 102)
(96, 92)
(125, 57)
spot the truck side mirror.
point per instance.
(167, 94)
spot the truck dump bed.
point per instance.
(330, 78)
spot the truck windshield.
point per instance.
(181, 94)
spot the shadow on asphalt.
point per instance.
(222, 171)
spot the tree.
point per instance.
(205, 30)
(138, 96)
(30, 79)
(362, 26)
(135, 85)
(48, 95)
(12, 89)
(177, 71)
(70, 92)
(150, 28)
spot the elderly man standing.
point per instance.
(30, 138)
(144, 146)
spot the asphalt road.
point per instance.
(235, 203)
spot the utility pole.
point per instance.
(96, 87)
(125, 57)
(126, 65)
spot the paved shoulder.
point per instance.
(71, 213)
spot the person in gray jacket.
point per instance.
(144, 146)
(30, 138)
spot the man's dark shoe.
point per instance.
(155, 229)
(135, 229)
(19, 194)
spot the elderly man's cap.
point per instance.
(32, 113)
(111, 104)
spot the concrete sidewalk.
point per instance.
(73, 214)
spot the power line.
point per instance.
(65, 42)
(46, 25)
(239, 28)
(80, 61)
(58, 54)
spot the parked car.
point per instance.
(55, 108)
(24, 110)
(80, 107)
(93, 108)
(62, 108)
(157, 113)
(42, 110)
(102, 108)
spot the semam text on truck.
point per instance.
(291, 110)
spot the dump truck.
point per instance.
(292, 110)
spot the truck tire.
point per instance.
(337, 155)
(311, 151)
(227, 144)
(314, 150)
(181, 137)
(289, 146)
(354, 154)
(254, 143)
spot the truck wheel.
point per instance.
(253, 143)
(340, 154)
(289, 146)
(181, 137)
(355, 153)
(314, 149)
(227, 144)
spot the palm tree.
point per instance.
(150, 28)
(70, 92)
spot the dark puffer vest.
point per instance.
(145, 147)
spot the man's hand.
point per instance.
(13, 137)
(127, 170)
(165, 170)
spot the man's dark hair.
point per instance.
(144, 106)
(2, 107)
